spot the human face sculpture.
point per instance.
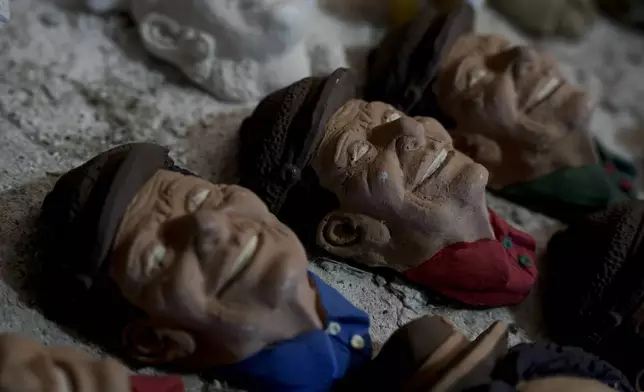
(28, 366)
(5, 12)
(514, 111)
(195, 34)
(404, 191)
(217, 274)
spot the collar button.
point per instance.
(333, 328)
(357, 342)
(524, 261)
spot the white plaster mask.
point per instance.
(238, 50)
(5, 13)
(256, 29)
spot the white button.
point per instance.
(333, 328)
(357, 342)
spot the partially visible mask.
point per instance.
(5, 13)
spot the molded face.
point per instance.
(212, 261)
(238, 50)
(27, 365)
(386, 167)
(238, 29)
(514, 111)
(5, 12)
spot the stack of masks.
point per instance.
(394, 179)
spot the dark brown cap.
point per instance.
(401, 70)
(279, 138)
(593, 294)
(405, 352)
(81, 215)
(430, 353)
(529, 362)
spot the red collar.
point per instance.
(156, 384)
(486, 272)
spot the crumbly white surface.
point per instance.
(74, 84)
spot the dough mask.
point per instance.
(201, 274)
(514, 111)
(238, 50)
(400, 181)
(211, 260)
(28, 366)
(256, 29)
(430, 354)
(508, 107)
(5, 12)
(373, 185)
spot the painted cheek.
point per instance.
(184, 288)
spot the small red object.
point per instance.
(609, 168)
(626, 185)
(483, 272)
(156, 384)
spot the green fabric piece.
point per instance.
(570, 194)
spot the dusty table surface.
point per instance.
(74, 84)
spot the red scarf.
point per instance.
(156, 384)
(486, 272)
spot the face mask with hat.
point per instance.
(453, 244)
(242, 305)
(431, 354)
(538, 152)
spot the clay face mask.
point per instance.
(241, 29)
(211, 260)
(238, 50)
(27, 365)
(403, 173)
(517, 98)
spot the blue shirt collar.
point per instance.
(313, 361)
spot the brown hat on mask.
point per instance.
(401, 70)
(81, 215)
(279, 138)
(431, 354)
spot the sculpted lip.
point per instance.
(63, 380)
(241, 262)
(436, 164)
(544, 92)
(244, 257)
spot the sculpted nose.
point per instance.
(408, 136)
(411, 127)
(211, 230)
(524, 61)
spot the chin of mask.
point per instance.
(5, 14)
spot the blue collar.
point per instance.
(311, 362)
